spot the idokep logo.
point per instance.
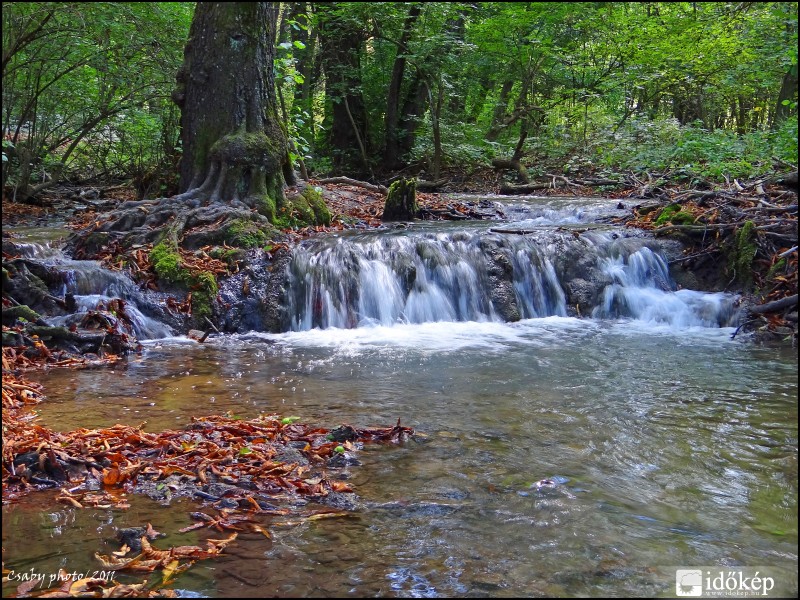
(689, 582)
(728, 582)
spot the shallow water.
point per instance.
(666, 448)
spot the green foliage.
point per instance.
(665, 145)
(86, 86)
(707, 89)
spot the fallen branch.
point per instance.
(556, 181)
(431, 186)
(501, 163)
(356, 183)
(777, 305)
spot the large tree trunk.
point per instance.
(234, 148)
(413, 108)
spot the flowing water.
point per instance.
(555, 455)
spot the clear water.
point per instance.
(672, 448)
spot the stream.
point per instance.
(554, 455)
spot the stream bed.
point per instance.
(554, 456)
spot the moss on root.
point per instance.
(243, 233)
(169, 267)
(303, 208)
(744, 252)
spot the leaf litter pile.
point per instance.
(240, 469)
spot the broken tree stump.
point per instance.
(401, 201)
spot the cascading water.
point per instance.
(597, 449)
(472, 274)
(643, 290)
(92, 287)
(386, 279)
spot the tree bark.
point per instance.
(234, 147)
(401, 201)
(788, 92)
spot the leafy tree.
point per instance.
(75, 75)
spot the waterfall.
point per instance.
(385, 279)
(643, 289)
(427, 276)
(92, 287)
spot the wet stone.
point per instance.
(340, 500)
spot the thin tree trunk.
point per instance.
(499, 112)
(393, 96)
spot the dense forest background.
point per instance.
(698, 91)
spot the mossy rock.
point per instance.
(204, 291)
(169, 267)
(243, 233)
(167, 263)
(230, 256)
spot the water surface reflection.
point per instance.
(664, 448)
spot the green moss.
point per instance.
(265, 205)
(167, 263)
(313, 196)
(249, 149)
(204, 291)
(774, 269)
(401, 201)
(227, 255)
(744, 252)
(169, 267)
(673, 214)
(302, 209)
(245, 234)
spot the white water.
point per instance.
(454, 275)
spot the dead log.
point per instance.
(775, 306)
(515, 165)
(556, 182)
(431, 186)
(356, 183)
